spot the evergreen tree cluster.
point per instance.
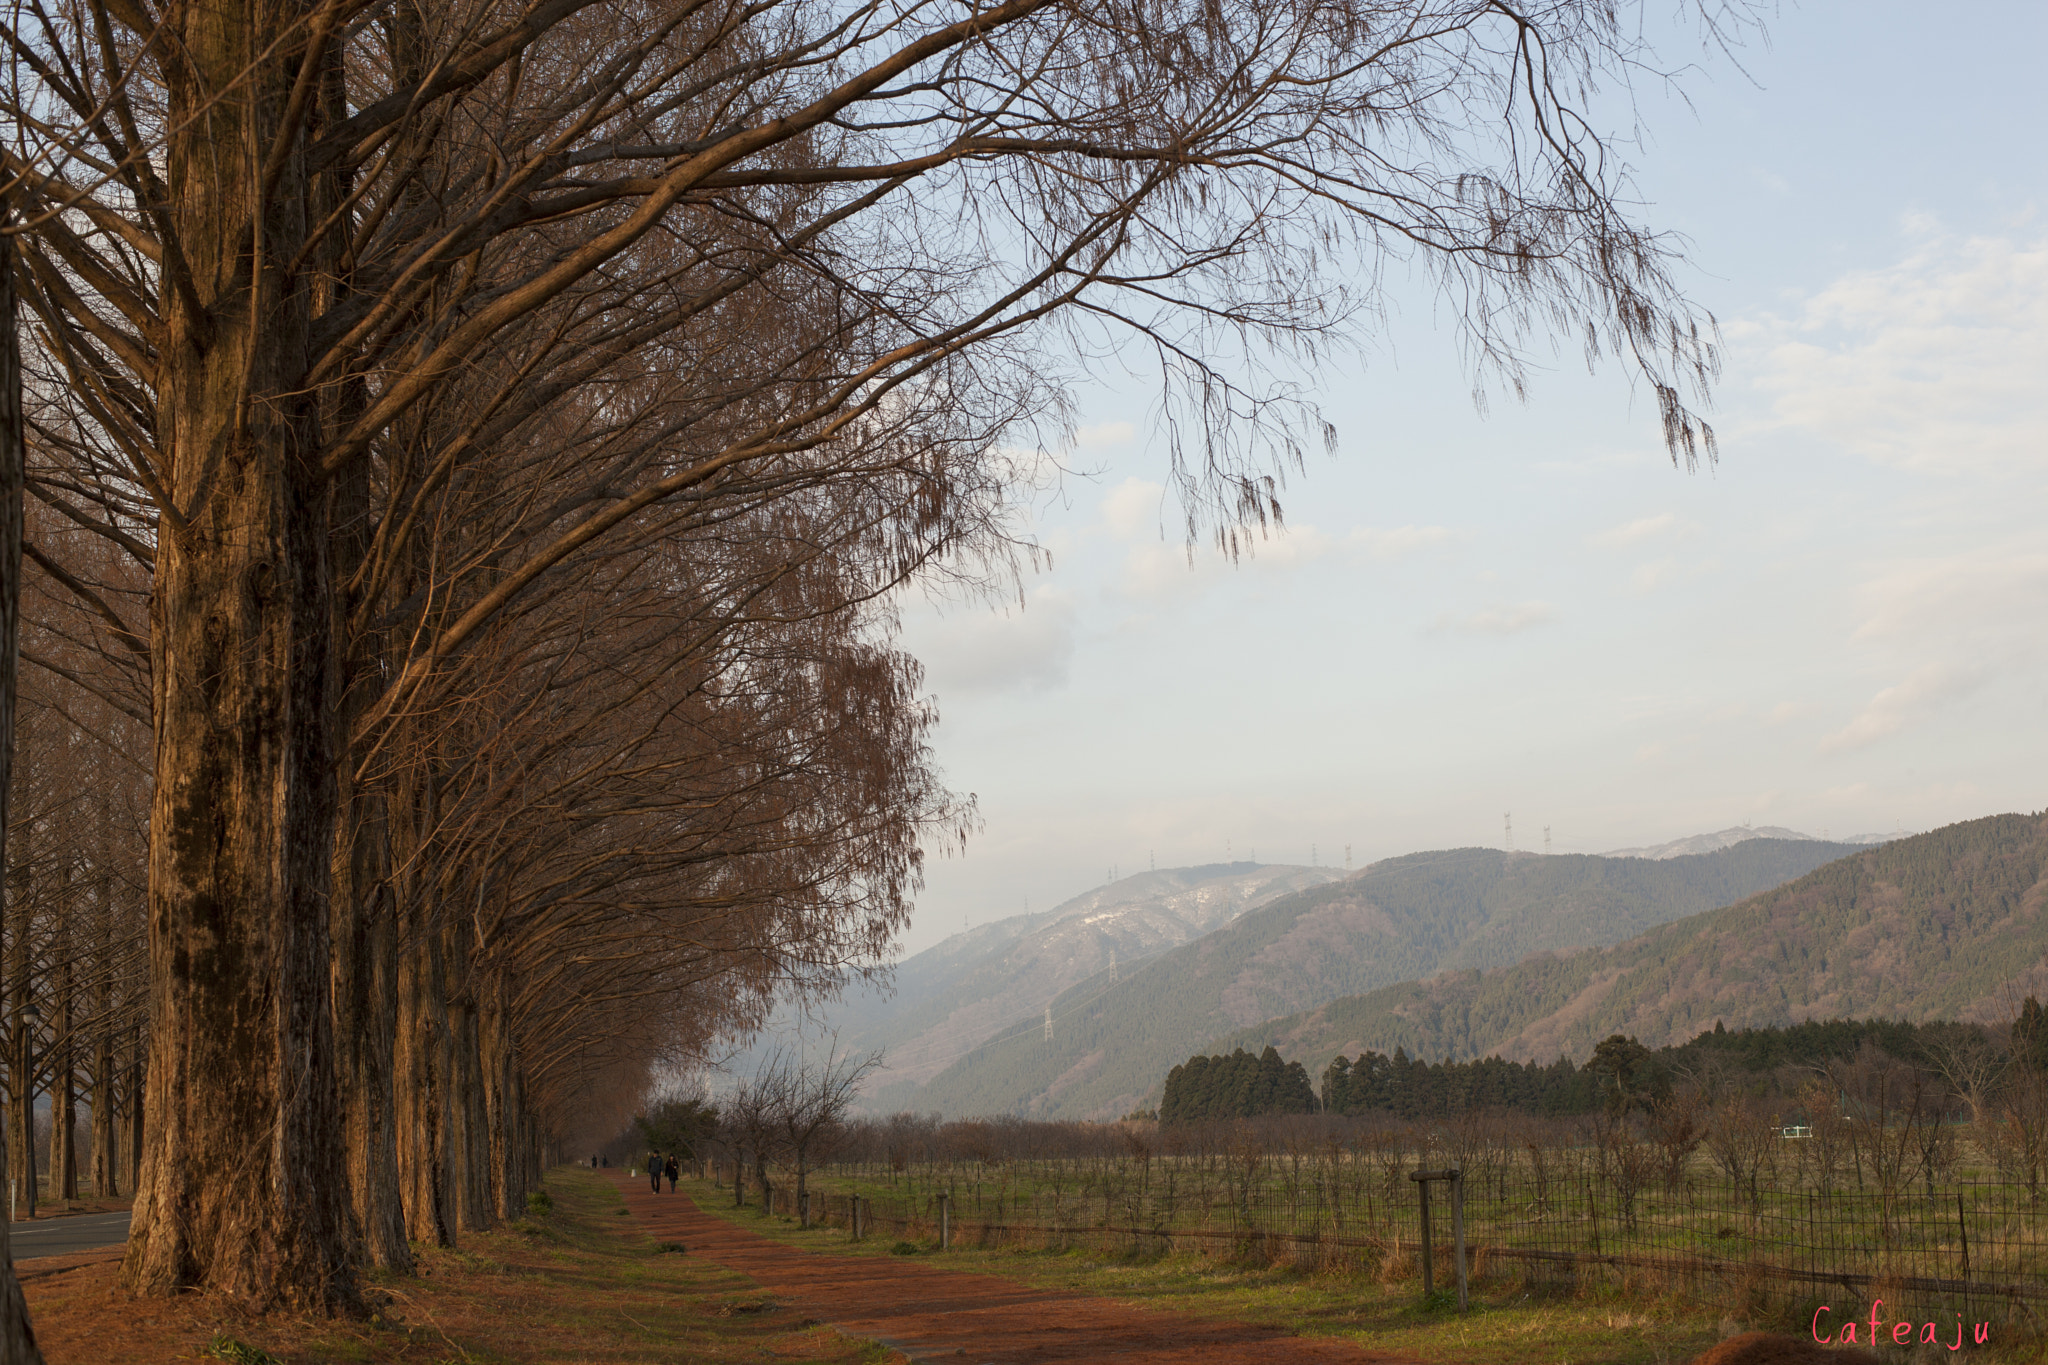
(1425, 1090)
(2030, 1035)
(1239, 1086)
(1820, 1040)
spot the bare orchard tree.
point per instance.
(747, 1123)
(1742, 1137)
(808, 1101)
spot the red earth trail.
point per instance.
(957, 1317)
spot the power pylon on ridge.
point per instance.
(1347, 857)
(1546, 841)
(1048, 1023)
(1508, 827)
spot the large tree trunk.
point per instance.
(17, 1338)
(467, 1105)
(106, 1180)
(366, 1021)
(21, 1072)
(63, 1063)
(131, 1130)
(241, 1190)
(502, 1101)
(106, 1164)
(421, 1076)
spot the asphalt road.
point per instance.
(61, 1236)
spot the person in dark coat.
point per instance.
(654, 1170)
(671, 1170)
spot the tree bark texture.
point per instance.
(241, 1189)
(17, 1337)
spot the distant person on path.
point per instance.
(654, 1170)
(671, 1170)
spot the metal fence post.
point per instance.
(1421, 1178)
(1458, 1232)
(945, 1222)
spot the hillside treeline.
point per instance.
(1240, 1085)
(1416, 1090)
(1763, 1061)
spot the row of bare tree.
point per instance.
(473, 449)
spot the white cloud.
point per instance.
(1131, 510)
(1648, 577)
(1632, 532)
(1893, 709)
(1158, 570)
(1934, 363)
(1502, 619)
(1387, 544)
(1026, 648)
(1105, 436)
(1971, 600)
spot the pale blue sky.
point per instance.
(1843, 628)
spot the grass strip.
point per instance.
(1508, 1324)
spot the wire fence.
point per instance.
(1961, 1247)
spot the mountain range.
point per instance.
(1728, 838)
(1952, 924)
(1398, 920)
(970, 987)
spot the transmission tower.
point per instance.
(1546, 841)
(1112, 966)
(1312, 856)
(1048, 1023)
(1508, 825)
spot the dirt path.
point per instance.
(956, 1317)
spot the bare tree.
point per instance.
(807, 1102)
(1742, 1135)
(17, 1337)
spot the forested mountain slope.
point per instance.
(1398, 919)
(1944, 925)
(964, 990)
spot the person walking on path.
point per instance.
(671, 1170)
(654, 1170)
